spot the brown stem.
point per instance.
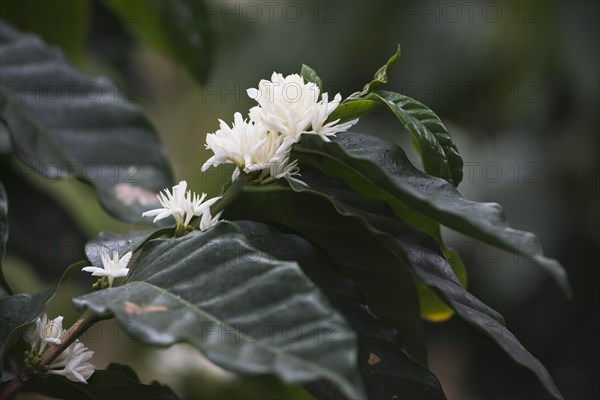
(15, 385)
(70, 335)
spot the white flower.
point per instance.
(320, 115)
(291, 107)
(207, 221)
(181, 204)
(174, 203)
(43, 332)
(112, 268)
(73, 363)
(250, 146)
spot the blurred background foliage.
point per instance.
(515, 82)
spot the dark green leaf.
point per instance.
(65, 124)
(63, 24)
(117, 382)
(380, 77)
(389, 287)
(387, 370)
(4, 288)
(179, 28)
(353, 109)
(125, 370)
(20, 310)
(432, 308)
(362, 159)
(429, 135)
(310, 75)
(110, 242)
(33, 208)
(237, 305)
(421, 253)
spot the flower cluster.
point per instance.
(72, 363)
(287, 108)
(183, 205)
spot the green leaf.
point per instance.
(353, 109)
(429, 135)
(380, 77)
(4, 288)
(237, 305)
(388, 286)
(65, 124)
(21, 309)
(418, 251)
(64, 24)
(131, 241)
(117, 382)
(387, 370)
(310, 75)
(178, 28)
(432, 308)
(360, 159)
(18, 311)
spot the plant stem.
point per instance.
(229, 196)
(67, 338)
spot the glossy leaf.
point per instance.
(235, 304)
(418, 251)
(32, 210)
(65, 124)
(362, 159)
(388, 286)
(432, 308)
(310, 75)
(387, 370)
(380, 77)
(116, 382)
(62, 24)
(353, 109)
(429, 135)
(178, 28)
(110, 242)
(4, 288)
(19, 310)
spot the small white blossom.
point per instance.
(207, 221)
(43, 332)
(73, 363)
(174, 204)
(111, 268)
(251, 147)
(182, 204)
(291, 107)
(320, 115)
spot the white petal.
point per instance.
(152, 213)
(119, 273)
(125, 259)
(52, 340)
(253, 93)
(204, 206)
(92, 269)
(167, 213)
